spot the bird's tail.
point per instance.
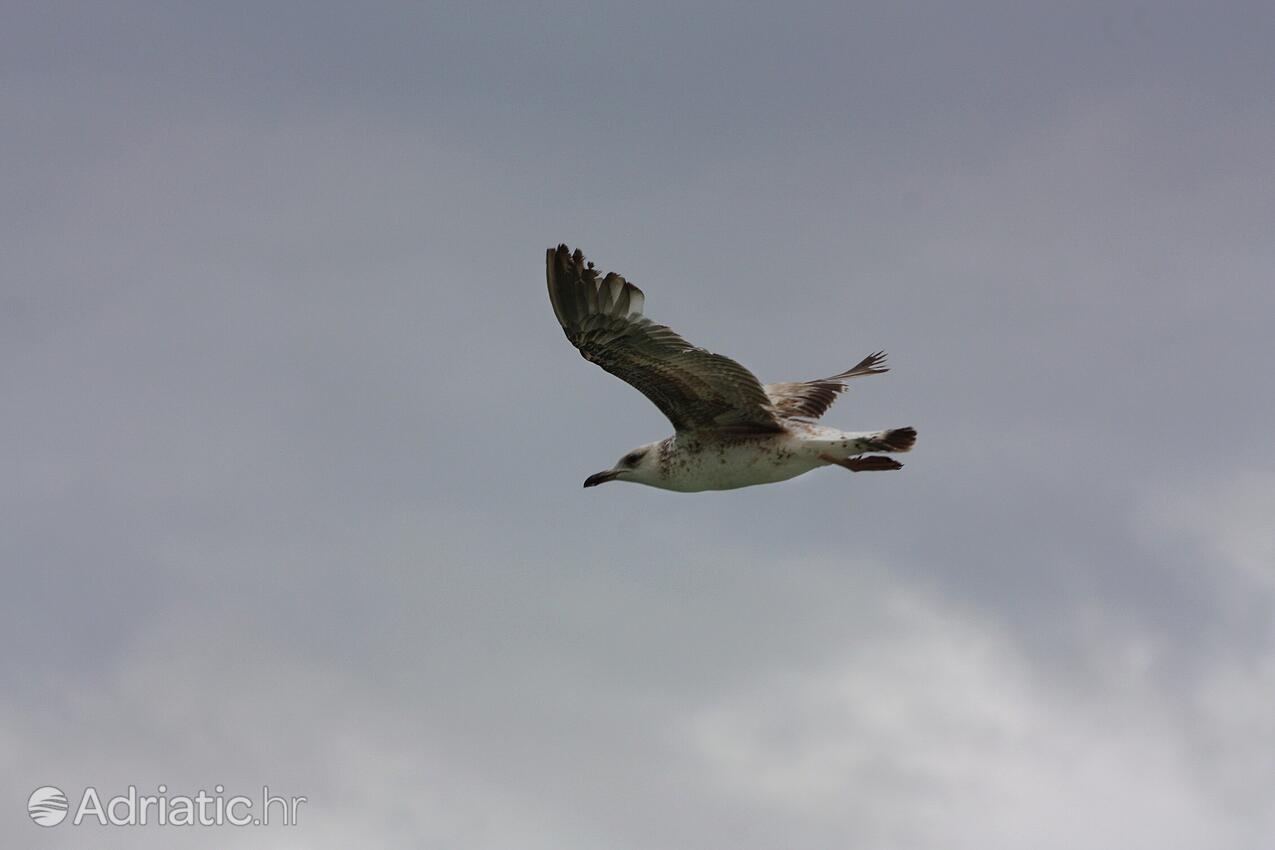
(849, 450)
(843, 443)
(893, 440)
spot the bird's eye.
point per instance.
(632, 458)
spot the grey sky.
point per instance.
(292, 445)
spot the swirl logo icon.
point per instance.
(47, 806)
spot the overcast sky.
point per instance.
(291, 445)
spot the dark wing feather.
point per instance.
(811, 399)
(694, 388)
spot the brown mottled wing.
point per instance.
(694, 388)
(811, 399)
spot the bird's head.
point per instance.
(639, 465)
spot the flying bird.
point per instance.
(728, 429)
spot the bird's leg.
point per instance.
(863, 463)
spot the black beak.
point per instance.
(601, 478)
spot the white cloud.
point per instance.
(191, 706)
(937, 732)
(1229, 521)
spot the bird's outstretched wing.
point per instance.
(811, 399)
(694, 388)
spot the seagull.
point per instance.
(729, 430)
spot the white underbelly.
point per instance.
(725, 466)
